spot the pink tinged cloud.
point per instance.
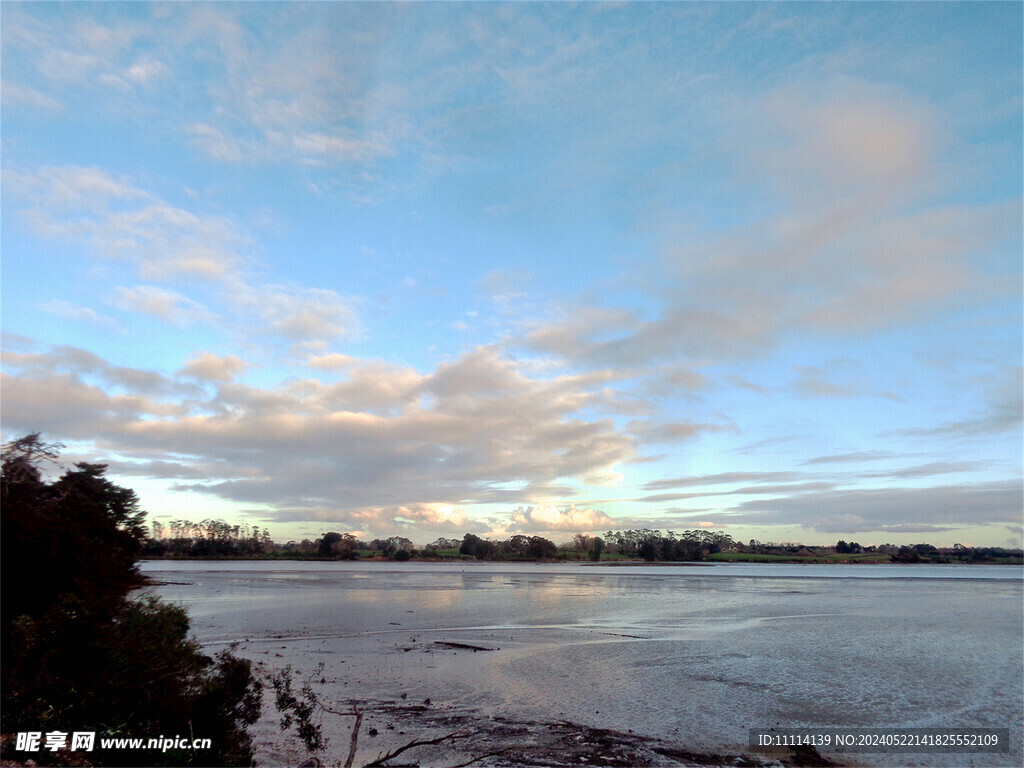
(548, 517)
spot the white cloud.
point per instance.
(70, 188)
(121, 221)
(373, 441)
(852, 139)
(217, 144)
(864, 234)
(167, 305)
(15, 95)
(116, 220)
(69, 311)
(331, 361)
(723, 478)
(314, 146)
(549, 517)
(86, 368)
(145, 69)
(884, 509)
(1002, 411)
(662, 431)
(210, 367)
(65, 407)
(300, 314)
(818, 382)
(435, 517)
(167, 242)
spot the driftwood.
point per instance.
(355, 737)
(464, 646)
(380, 761)
(479, 758)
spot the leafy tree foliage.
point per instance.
(392, 545)
(539, 548)
(655, 545)
(300, 710)
(78, 654)
(443, 543)
(338, 545)
(474, 546)
(518, 547)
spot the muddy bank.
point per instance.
(421, 734)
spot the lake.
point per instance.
(697, 654)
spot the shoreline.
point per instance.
(424, 736)
(557, 561)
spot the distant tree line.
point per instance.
(958, 553)
(632, 544)
(217, 539)
(209, 538)
(518, 547)
(852, 551)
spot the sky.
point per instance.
(434, 268)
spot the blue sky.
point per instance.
(429, 269)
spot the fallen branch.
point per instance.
(465, 646)
(379, 762)
(481, 757)
(355, 736)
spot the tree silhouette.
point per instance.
(80, 655)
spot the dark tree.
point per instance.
(540, 548)
(648, 550)
(474, 546)
(443, 543)
(325, 542)
(339, 545)
(78, 654)
(518, 545)
(88, 529)
(906, 555)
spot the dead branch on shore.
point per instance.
(382, 759)
(303, 708)
(479, 758)
(355, 736)
(464, 646)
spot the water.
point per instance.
(698, 654)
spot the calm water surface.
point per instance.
(699, 654)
